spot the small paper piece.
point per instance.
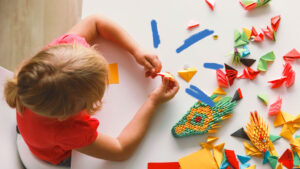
(200, 95)
(231, 74)
(282, 118)
(247, 62)
(277, 83)
(272, 149)
(273, 161)
(248, 73)
(238, 95)
(237, 35)
(192, 24)
(251, 4)
(211, 139)
(166, 165)
(215, 37)
(258, 132)
(274, 138)
(156, 39)
(211, 3)
(259, 38)
(252, 167)
(252, 151)
(289, 73)
(264, 98)
(187, 74)
(214, 66)
(287, 132)
(292, 55)
(218, 153)
(266, 156)
(236, 57)
(241, 134)
(296, 160)
(275, 108)
(207, 146)
(275, 22)
(219, 91)
(222, 79)
(279, 166)
(231, 158)
(269, 33)
(262, 64)
(243, 159)
(194, 39)
(253, 32)
(165, 74)
(202, 158)
(287, 159)
(202, 119)
(247, 32)
(113, 75)
(245, 52)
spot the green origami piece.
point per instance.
(236, 58)
(202, 119)
(264, 98)
(297, 137)
(274, 138)
(245, 38)
(237, 35)
(273, 161)
(239, 43)
(263, 61)
(296, 159)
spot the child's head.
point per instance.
(59, 82)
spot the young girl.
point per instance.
(57, 90)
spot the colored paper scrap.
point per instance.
(247, 32)
(219, 91)
(211, 139)
(275, 108)
(277, 82)
(222, 79)
(211, 3)
(247, 62)
(237, 95)
(240, 133)
(264, 98)
(214, 66)
(192, 24)
(243, 159)
(262, 64)
(275, 22)
(289, 73)
(248, 73)
(266, 156)
(218, 153)
(194, 39)
(252, 167)
(231, 74)
(287, 159)
(202, 158)
(166, 165)
(165, 74)
(252, 151)
(231, 158)
(188, 73)
(292, 55)
(245, 52)
(273, 161)
(200, 95)
(113, 74)
(156, 39)
(274, 138)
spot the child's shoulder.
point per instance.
(69, 39)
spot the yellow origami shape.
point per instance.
(247, 32)
(187, 74)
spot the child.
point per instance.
(57, 90)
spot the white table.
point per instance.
(122, 101)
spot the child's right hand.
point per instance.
(165, 92)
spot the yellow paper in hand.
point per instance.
(201, 159)
(113, 75)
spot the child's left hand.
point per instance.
(150, 61)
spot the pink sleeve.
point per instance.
(69, 39)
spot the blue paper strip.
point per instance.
(214, 66)
(200, 95)
(193, 39)
(156, 40)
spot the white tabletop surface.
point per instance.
(123, 100)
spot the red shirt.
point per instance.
(52, 140)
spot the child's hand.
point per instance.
(165, 92)
(150, 61)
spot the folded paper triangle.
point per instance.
(211, 3)
(201, 158)
(219, 91)
(238, 95)
(231, 158)
(164, 165)
(287, 159)
(292, 55)
(275, 22)
(274, 138)
(240, 133)
(243, 159)
(187, 74)
(273, 161)
(264, 98)
(275, 108)
(247, 62)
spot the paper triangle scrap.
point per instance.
(211, 139)
(264, 98)
(243, 159)
(275, 108)
(274, 138)
(219, 91)
(273, 161)
(164, 165)
(231, 157)
(201, 158)
(287, 159)
(240, 133)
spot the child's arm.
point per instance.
(122, 147)
(96, 26)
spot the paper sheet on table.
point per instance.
(200, 159)
(113, 76)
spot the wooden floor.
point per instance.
(28, 25)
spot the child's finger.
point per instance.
(165, 83)
(148, 65)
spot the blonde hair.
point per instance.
(59, 82)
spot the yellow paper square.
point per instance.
(201, 159)
(113, 75)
